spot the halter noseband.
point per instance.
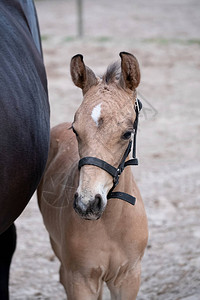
(116, 172)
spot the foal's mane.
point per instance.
(112, 73)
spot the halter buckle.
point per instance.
(138, 105)
(116, 178)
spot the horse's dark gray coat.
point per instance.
(24, 111)
(24, 120)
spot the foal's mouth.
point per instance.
(88, 215)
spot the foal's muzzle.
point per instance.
(92, 210)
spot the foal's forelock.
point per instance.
(112, 73)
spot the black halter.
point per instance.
(116, 172)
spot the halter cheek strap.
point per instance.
(116, 172)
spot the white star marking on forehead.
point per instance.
(96, 113)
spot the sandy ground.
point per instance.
(164, 35)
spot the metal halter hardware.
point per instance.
(116, 172)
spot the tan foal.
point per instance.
(96, 240)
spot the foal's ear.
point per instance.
(130, 71)
(82, 76)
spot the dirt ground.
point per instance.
(165, 37)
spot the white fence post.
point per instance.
(80, 17)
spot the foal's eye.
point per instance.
(127, 135)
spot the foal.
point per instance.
(109, 247)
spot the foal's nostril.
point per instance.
(76, 196)
(98, 202)
(75, 199)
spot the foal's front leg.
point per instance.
(127, 288)
(79, 287)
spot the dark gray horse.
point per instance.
(24, 120)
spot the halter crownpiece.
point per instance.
(116, 172)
